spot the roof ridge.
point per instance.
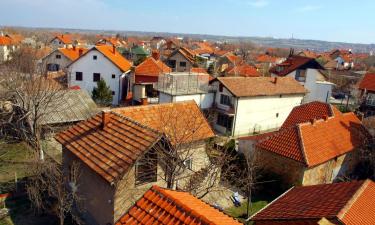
(186, 207)
(302, 146)
(353, 199)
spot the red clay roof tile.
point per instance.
(368, 82)
(152, 67)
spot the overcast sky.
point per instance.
(332, 20)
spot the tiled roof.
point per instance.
(261, 86)
(267, 59)
(108, 143)
(188, 54)
(114, 56)
(73, 53)
(163, 206)
(351, 203)
(368, 82)
(319, 141)
(4, 40)
(65, 38)
(233, 58)
(152, 67)
(244, 70)
(295, 62)
(181, 122)
(307, 112)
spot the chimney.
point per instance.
(80, 51)
(312, 121)
(144, 101)
(275, 80)
(155, 55)
(325, 117)
(106, 117)
(74, 47)
(113, 49)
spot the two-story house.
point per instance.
(101, 62)
(181, 60)
(60, 58)
(249, 105)
(306, 71)
(120, 153)
(62, 41)
(367, 94)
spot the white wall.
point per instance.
(259, 114)
(88, 66)
(139, 92)
(204, 101)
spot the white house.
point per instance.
(100, 62)
(183, 86)
(7, 46)
(251, 105)
(62, 41)
(307, 72)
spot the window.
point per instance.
(224, 121)
(301, 75)
(96, 77)
(225, 100)
(94, 57)
(146, 169)
(182, 64)
(79, 76)
(188, 163)
(277, 115)
(113, 76)
(171, 63)
(58, 56)
(113, 93)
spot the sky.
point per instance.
(330, 20)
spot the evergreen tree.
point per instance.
(102, 94)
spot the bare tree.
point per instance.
(54, 190)
(31, 95)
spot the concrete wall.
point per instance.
(102, 65)
(95, 192)
(204, 101)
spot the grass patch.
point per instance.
(14, 159)
(240, 212)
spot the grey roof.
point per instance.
(73, 106)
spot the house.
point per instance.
(101, 62)
(182, 86)
(138, 54)
(306, 71)
(249, 105)
(318, 150)
(300, 114)
(157, 42)
(6, 48)
(60, 58)
(145, 79)
(62, 41)
(119, 154)
(228, 60)
(367, 94)
(243, 70)
(346, 203)
(163, 206)
(181, 60)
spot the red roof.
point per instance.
(319, 141)
(307, 112)
(295, 62)
(64, 38)
(108, 143)
(114, 56)
(73, 53)
(349, 203)
(267, 59)
(163, 206)
(368, 82)
(244, 70)
(4, 40)
(152, 67)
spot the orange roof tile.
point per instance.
(163, 206)
(73, 53)
(108, 143)
(152, 67)
(348, 203)
(317, 142)
(199, 70)
(307, 112)
(181, 122)
(114, 56)
(64, 38)
(188, 54)
(244, 70)
(4, 40)
(368, 82)
(261, 86)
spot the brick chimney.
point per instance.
(113, 49)
(325, 117)
(155, 55)
(80, 52)
(275, 80)
(106, 118)
(74, 47)
(313, 121)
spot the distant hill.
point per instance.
(315, 45)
